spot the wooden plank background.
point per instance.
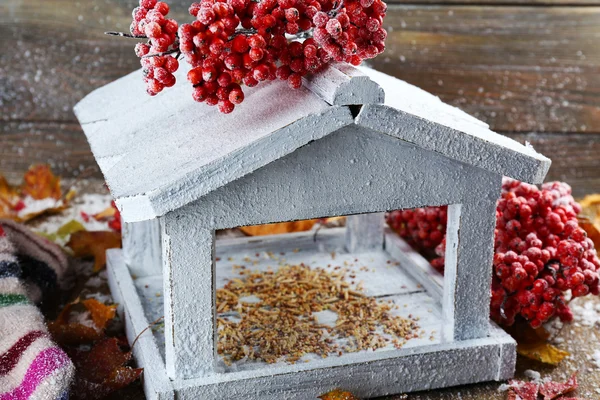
(529, 68)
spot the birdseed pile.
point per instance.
(269, 316)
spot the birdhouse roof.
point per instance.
(161, 153)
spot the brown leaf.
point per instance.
(73, 333)
(68, 333)
(9, 197)
(552, 390)
(101, 313)
(94, 244)
(122, 376)
(99, 363)
(524, 334)
(278, 228)
(102, 370)
(40, 183)
(533, 343)
(592, 230)
(543, 352)
(338, 394)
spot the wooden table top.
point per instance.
(529, 68)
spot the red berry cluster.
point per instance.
(243, 42)
(149, 21)
(540, 252)
(114, 223)
(423, 228)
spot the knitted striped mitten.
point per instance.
(32, 366)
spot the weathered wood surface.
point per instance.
(518, 68)
(537, 67)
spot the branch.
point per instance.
(127, 35)
(164, 53)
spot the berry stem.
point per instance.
(164, 53)
(127, 35)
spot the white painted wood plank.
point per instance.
(364, 232)
(414, 264)
(386, 373)
(189, 298)
(351, 171)
(415, 100)
(464, 142)
(341, 84)
(145, 351)
(468, 268)
(191, 161)
(141, 247)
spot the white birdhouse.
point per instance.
(180, 170)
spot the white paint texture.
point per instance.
(156, 384)
(189, 292)
(364, 232)
(142, 248)
(344, 85)
(351, 171)
(156, 162)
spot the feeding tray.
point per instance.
(334, 147)
(396, 273)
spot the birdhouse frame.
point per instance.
(179, 171)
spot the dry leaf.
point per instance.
(520, 390)
(592, 230)
(40, 183)
(101, 313)
(69, 228)
(102, 370)
(543, 352)
(278, 228)
(72, 333)
(552, 390)
(591, 200)
(106, 214)
(533, 343)
(39, 194)
(94, 244)
(338, 394)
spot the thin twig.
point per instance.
(127, 35)
(164, 53)
(144, 330)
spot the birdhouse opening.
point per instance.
(306, 291)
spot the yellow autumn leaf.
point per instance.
(278, 228)
(101, 313)
(40, 183)
(543, 352)
(590, 200)
(338, 394)
(106, 214)
(69, 228)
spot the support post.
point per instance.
(189, 303)
(364, 232)
(141, 247)
(468, 269)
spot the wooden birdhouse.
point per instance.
(179, 171)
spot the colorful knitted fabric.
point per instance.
(32, 366)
